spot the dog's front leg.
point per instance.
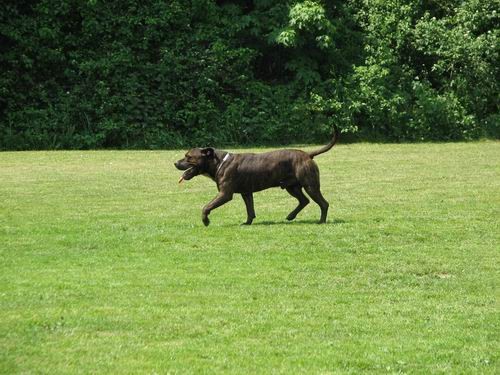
(248, 198)
(218, 201)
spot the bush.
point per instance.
(152, 74)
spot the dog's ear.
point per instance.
(209, 152)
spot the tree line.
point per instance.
(155, 74)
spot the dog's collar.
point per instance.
(222, 162)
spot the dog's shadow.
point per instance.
(296, 222)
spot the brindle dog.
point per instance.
(248, 173)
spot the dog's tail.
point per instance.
(327, 147)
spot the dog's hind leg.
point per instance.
(296, 191)
(308, 175)
(315, 194)
(248, 198)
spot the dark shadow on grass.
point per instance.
(308, 221)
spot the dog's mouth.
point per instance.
(188, 174)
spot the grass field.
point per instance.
(106, 266)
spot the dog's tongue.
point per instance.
(185, 172)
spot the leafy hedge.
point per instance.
(152, 74)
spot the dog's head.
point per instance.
(195, 162)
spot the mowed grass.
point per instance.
(106, 266)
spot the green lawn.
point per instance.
(106, 266)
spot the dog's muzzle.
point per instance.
(189, 170)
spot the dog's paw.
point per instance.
(205, 220)
(291, 217)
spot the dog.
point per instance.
(248, 173)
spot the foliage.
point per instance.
(150, 74)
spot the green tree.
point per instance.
(149, 74)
